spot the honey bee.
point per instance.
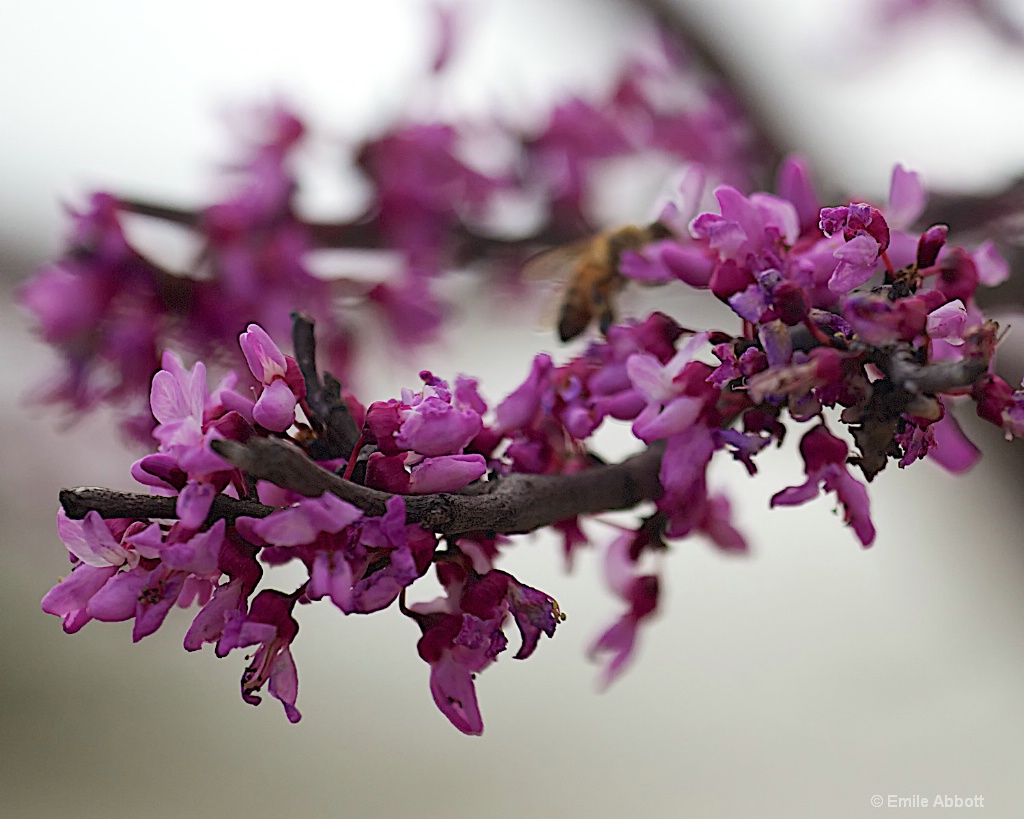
(590, 268)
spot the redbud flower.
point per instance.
(92, 541)
(69, 599)
(669, 409)
(639, 592)
(283, 384)
(145, 594)
(270, 625)
(825, 461)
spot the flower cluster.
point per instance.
(436, 195)
(849, 326)
(138, 569)
(421, 439)
(816, 336)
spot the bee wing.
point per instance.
(554, 268)
(555, 263)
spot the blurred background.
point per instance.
(799, 681)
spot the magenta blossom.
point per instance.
(282, 382)
(825, 459)
(639, 592)
(669, 409)
(434, 422)
(462, 632)
(300, 521)
(270, 625)
(69, 599)
(365, 568)
(181, 405)
(147, 595)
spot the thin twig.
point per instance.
(329, 415)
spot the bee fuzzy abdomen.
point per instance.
(572, 321)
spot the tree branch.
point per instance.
(364, 233)
(329, 415)
(111, 503)
(934, 378)
(512, 504)
(999, 212)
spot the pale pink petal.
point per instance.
(992, 267)
(646, 374)
(778, 213)
(906, 198)
(948, 322)
(275, 408)
(90, 540)
(265, 359)
(677, 415)
(856, 263)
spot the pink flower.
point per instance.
(639, 592)
(270, 625)
(69, 599)
(825, 462)
(226, 604)
(432, 426)
(519, 408)
(432, 423)
(92, 541)
(748, 225)
(669, 408)
(147, 595)
(300, 522)
(409, 474)
(457, 647)
(857, 261)
(365, 569)
(948, 322)
(794, 185)
(282, 382)
(907, 198)
(184, 411)
(992, 267)
(462, 633)
(952, 450)
(183, 548)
